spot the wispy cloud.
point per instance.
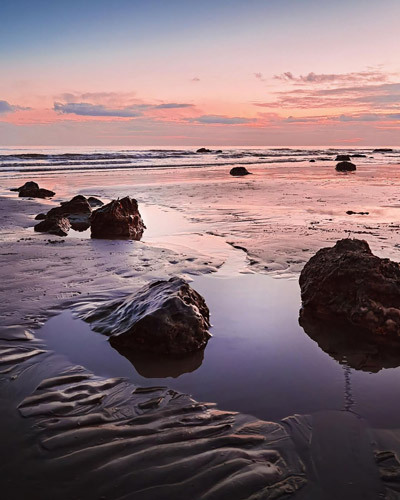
(383, 96)
(195, 79)
(361, 76)
(260, 77)
(6, 107)
(134, 110)
(220, 119)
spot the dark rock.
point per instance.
(383, 150)
(358, 155)
(32, 190)
(238, 171)
(204, 150)
(94, 202)
(312, 161)
(54, 225)
(350, 285)
(118, 219)
(40, 217)
(78, 205)
(342, 158)
(218, 151)
(165, 317)
(345, 166)
(77, 210)
(350, 212)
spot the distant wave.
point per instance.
(19, 161)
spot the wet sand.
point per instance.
(60, 421)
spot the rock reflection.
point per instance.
(350, 345)
(150, 365)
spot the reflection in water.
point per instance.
(150, 365)
(352, 346)
(349, 402)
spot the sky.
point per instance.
(190, 72)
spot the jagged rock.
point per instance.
(118, 219)
(94, 202)
(350, 285)
(345, 166)
(238, 171)
(32, 190)
(165, 317)
(342, 158)
(54, 225)
(204, 150)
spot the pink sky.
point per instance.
(318, 76)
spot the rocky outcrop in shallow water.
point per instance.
(118, 219)
(345, 166)
(32, 190)
(342, 158)
(58, 226)
(348, 284)
(165, 317)
(239, 171)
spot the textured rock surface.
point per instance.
(166, 317)
(348, 283)
(32, 190)
(345, 166)
(77, 205)
(237, 171)
(118, 219)
(58, 226)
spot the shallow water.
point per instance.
(259, 361)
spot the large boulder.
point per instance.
(348, 284)
(54, 225)
(165, 317)
(32, 190)
(239, 171)
(345, 166)
(118, 219)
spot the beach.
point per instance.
(241, 242)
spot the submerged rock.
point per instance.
(94, 202)
(118, 219)
(32, 190)
(342, 158)
(358, 155)
(345, 166)
(238, 171)
(383, 150)
(54, 225)
(165, 317)
(348, 284)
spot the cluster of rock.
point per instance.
(206, 150)
(117, 219)
(354, 293)
(32, 190)
(165, 317)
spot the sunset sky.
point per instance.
(190, 72)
